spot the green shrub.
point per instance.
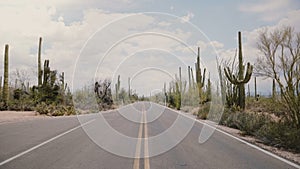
(55, 110)
(203, 111)
(280, 134)
(248, 123)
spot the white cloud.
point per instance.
(217, 44)
(62, 42)
(268, 10)
(187, 17)
(265, 6)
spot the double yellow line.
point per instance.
(143, 124)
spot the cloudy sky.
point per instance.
(146, 40)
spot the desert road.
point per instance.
(76, 143)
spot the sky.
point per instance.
(146, 40)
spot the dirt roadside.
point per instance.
(17, 116)
(280, 152)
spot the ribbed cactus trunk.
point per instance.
(189, 73)
(273, 89)
(47, 73)
(129, 90)
(208, 89)
(200, 79)
(222, 85)
(192, 78)
(117, 86)
(165, 93)
(5, 94)
(40, 72)
(63, 87)
(177, 96)
(180, 80)
(255, 89)
(241, 86)
(62, 79)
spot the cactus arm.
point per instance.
(248, 73)
(229, 75)
(203, 77)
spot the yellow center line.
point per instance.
(136, 163)
(143, 124)
(146, 150)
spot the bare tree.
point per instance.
(103, 92)
(22, 77)
(281, 61)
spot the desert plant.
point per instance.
(200, 78)
(281, 61)
(5, 94)
(117, 87)
(40, 72)
(241, 79)
(103, 94)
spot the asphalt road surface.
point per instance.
(76, 143)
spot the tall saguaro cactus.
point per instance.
(200, 78)
(189, 74)
(192, 78)
(117, 86)
(255, 89)
(180, 80)
(40, 72)
(274, 89)
(5, 94)
(241, 79)
(129, 90)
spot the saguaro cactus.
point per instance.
(255, 89)
(222, 84)
(241, 79)
(189, 73)
(177, 96)
(47, 72)
(180, 80)
(129, 90)
(5, 94)
(193, 80)
(62, 80)
(208, 89)
(40, 72)
(274, 89)
(200, 78)
(117, 86)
